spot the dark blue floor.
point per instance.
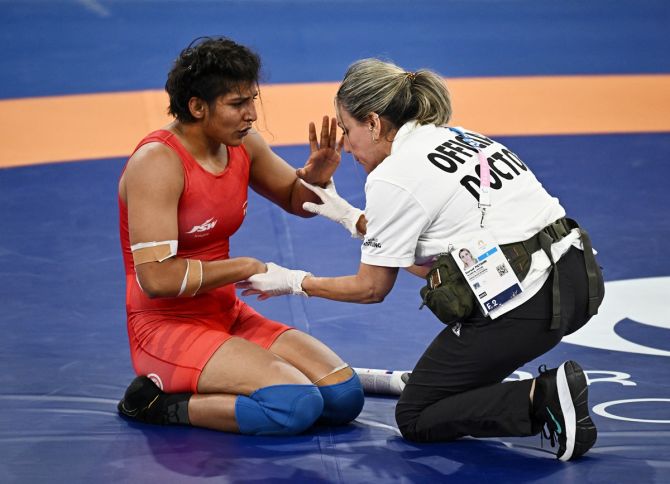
(64, 351)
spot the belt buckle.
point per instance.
(434, 278)
(561, 228)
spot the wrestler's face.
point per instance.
(229, 118)
(358, 139)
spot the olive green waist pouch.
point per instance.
(446, 292)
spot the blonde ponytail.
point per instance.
(375, 86)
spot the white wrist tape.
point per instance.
(192, 281)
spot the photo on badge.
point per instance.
(487, 272)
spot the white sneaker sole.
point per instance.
(568, 410)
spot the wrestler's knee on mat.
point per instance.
(342, 402)
(279, 410)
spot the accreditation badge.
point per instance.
(487, 271)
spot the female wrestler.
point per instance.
(204, 357)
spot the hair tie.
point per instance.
(411, 76)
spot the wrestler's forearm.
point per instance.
(222, 272)
(165, 279)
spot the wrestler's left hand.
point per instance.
(325, 154)
(277, 281)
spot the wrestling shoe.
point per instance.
(561, 403)
(145, 402)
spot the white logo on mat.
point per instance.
(639, 300)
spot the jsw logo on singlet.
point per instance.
(206, 226)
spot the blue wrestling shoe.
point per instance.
(561, 403)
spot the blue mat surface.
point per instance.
(64, 350)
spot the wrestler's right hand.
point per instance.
(277, 281)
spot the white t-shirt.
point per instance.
(422, 200)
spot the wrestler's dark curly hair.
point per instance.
(208, 68)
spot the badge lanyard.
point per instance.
(491, 278)
(484, 175)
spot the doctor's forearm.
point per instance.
(346, 289)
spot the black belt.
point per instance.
(519, 256)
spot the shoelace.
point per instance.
(548, 434)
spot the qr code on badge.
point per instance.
(502, 269)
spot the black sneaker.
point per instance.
(140, 399)
(561, 403)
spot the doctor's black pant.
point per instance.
(457, 388)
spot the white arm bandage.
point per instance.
(153, 251)
(144, 252)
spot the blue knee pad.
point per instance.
(278, 410)
(342, 402)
